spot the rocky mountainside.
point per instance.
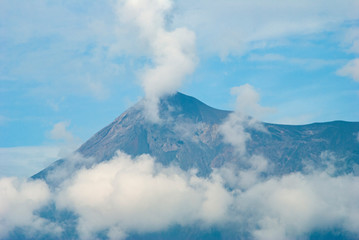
(189, 136)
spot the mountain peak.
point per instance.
(180, 105)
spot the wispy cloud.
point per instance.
(3, 119)
(245, 116)
(60, 132)
(351, 69)
(25, 161)
(235, 27)
(308, 64)
(64, 139)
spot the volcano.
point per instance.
(189, 137)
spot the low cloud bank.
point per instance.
(127, 195)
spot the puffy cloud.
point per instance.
(59, 132)
(234, 131)
(351, 69)
(294, 205)
(172, 52)
(127, 195)
(245, 176)
(19, 200)
(247, 102)
(136, 195)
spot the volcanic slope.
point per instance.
(188, 135)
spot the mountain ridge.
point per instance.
(189, 136)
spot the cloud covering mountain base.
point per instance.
(137, 195)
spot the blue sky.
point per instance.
(68, 69)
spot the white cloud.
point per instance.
(235, 128)
(126, 195)
(68, 141)
(83, 49)
(248, 174)
(247, 102)
(351, 39)
(172, 52)
(234, 132)
(138, 195)
(19, 200)
(351, 69)
(292, 206)
(59, 132)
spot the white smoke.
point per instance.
(172, 52)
